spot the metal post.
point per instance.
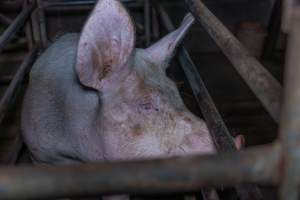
(80, 6)
(261, 82)
(15, 83)
(147, 20)
(28, 30)
(42, 23)
(290, 119)
(273, 29)
(17, 24)
(187, 174)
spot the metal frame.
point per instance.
(274, 164)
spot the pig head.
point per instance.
(94, 97)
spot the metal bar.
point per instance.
(261, 82)
(15, 83)
(17, 24)
(80, 6)
(173, 175)
(28, 30)
(273, 29)
(155, 24)
(290, 119)
(147, 20)
(42, 24)
(79, 3)
(218, 130)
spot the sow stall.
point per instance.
(273, 164)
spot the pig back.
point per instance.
(58, 112)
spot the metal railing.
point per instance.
(274, 164)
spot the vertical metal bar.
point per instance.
(219, 132)
(15, 83)
(42, 24)
(273, 29)
(28, 30)
(261, 82)
(147, 19)
(35, 26)
(155, 24)
(290, 118)
(17, 24)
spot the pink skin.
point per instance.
(116, 103)
(147, 117)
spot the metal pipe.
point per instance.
(42, 23)
(79, 3)
(290, 119)
(273, 29)
(17, 24)
(147, 20)
(15, 83)
(28, 30)
(218, 130)
(186, 174)
(81, 6)
(262, 83)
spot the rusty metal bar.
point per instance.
(17, 24)
(262, 83)
(78, 6)
(218, 130)
(15, 83)
(173, 175)
(273, 29)
(80, 3)
(290, 119)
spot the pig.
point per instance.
(93, 97)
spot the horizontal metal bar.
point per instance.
(15, 83)
(79, 3)
(78, 6)
(290, 119)
(262, 83)
(16, 25)
(174, 175)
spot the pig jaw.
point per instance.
(144, 117)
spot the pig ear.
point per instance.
(105, 44)
(163, 51)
